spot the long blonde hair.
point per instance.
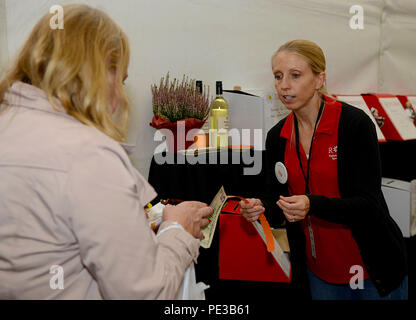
(311, 52)
(74, 65)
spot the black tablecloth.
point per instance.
(201, 181)
(398, 159)
(173, 176)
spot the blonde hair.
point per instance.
(311, 52)
(74, 65)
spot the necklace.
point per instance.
(306, 176)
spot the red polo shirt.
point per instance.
(336, 249)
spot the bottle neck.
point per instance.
(199, 86)
(219, 89)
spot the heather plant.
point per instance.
(176, 100)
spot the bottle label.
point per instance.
(222, 123)
(218, 133)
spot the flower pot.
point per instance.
(179, 135)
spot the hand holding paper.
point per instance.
(192, 215)
(216, 204)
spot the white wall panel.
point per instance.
(4, 53)
(233, 41)
(398, 48)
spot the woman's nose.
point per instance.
(282, 84)
(285, 84)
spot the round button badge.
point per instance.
(281, 172)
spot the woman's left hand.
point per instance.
(295, 208)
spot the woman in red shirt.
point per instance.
(331, 209)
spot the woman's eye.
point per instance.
(278, 76)
(296, 75)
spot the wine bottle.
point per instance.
(218, 133)
(202, 139)
(198, 84)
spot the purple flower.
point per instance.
(174, 100)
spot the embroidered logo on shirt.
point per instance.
(333, 152)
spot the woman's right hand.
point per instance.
(252, 210)
(192, 215)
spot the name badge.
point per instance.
(281, 172)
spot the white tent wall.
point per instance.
(233, 41)
(4, 52)
(398, 48)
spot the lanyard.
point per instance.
(306, 177)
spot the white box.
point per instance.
(254, 109)
(400, 198)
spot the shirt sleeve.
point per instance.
(102, 201)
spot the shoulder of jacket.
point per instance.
(100, 140)
(80, 141)
(277, 128)
(351, 113)
(84, 135)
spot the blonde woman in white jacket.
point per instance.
(69, 195)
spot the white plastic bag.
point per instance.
(154, 215)
(190, 290)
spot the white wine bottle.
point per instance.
(218, 133)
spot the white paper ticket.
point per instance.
(400, 118)
(216, 204)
